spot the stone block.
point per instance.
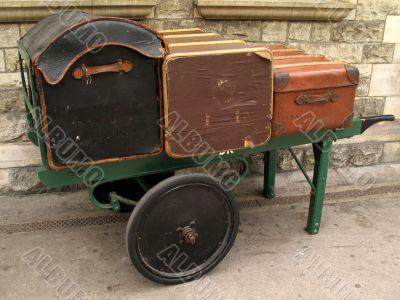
(25, 27)
(274, 31)
(369, 106)
(391, 153)
(9, 35)
(171, 9)
(392, 106)
(366, 154)
(275, 10)
(299, 31)
(365, 79)
(12, 63)
(321, 32)
(2, 61)
(351, 16)
(396, 55)
(392, 30)
(346, 155)
(12, 126)
(375, 9)
(286, 161)
(350, 53)
(364, 69)
(242, 30)
(19, 155)
(340, 156)
(385, 80)
(358, 31)
(20, 180)
(11, 100)
(256, 164)
(161, 24)
(363, 86)
(10, 81)
(378, 53)
(210, 25)
(308, 158)
(379, 133)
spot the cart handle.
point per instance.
(369, 121)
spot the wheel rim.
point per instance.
(185, 231)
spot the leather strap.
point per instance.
(306, 98)
(86, 72)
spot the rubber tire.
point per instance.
(141, 209)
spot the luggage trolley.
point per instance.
(181, 226)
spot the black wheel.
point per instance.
(182, 228)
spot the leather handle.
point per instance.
(85, 72)
(306, 98)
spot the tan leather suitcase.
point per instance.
(313, 96)
(217, 95)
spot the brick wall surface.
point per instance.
(368, 38)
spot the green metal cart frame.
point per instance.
(321, 142)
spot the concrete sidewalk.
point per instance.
(355, 256)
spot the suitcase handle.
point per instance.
(306, 98)
(86, 72)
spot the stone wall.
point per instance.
(369, 38)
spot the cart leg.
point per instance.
(322, 152)
(269, 174)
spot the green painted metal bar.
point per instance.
(36, 134)
(302, 168)
(116, 201)
(322, 151)
(163, 163)
(143, 184)
(269, 174)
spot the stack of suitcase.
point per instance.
(310, 92)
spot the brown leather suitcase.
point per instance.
(217, 96)
(310, 97)
(193, 37)
(276, 46)
(297, 59)
(167, 32)
(270, 46)
(287, 52)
